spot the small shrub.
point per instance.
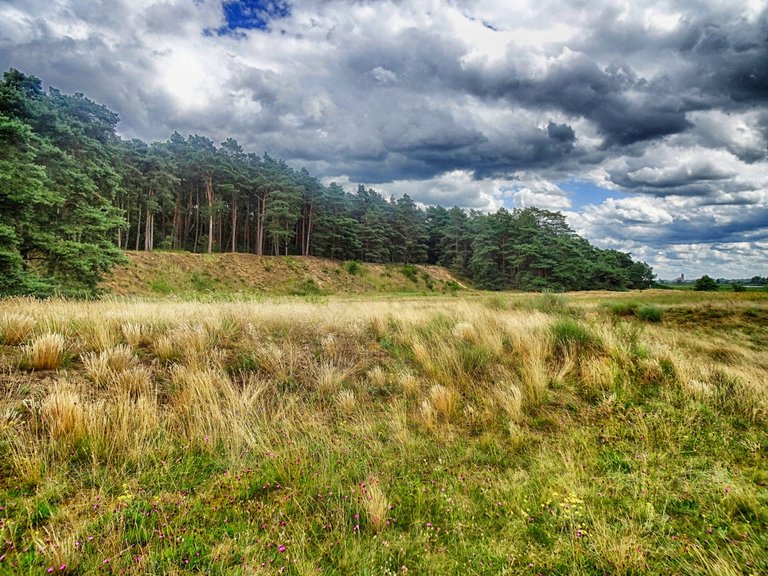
(14, 328)
(452, 286)
(354, 267)
(410, 272)
(739, 288)
(46, 352)
(650, 313)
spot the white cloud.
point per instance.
(450, 101)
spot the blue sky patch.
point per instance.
(243, 15)
(583, 192)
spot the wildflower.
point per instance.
(50, 570)
(62, 567)
(281, 548)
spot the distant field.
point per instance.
(589, 433)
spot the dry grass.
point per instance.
(134, 334)
(15, 328)
(444, 400)
(45, 352)
(346, 401)
(376, 505)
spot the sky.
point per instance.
(645, 122)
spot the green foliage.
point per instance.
(739, 287)
(307, 287)
(650, 313)
(202, 281)
(354, 267)
(57, 182)
(571, 335)
(705, 284)
(410, 272)
(161, 286)
(624, 308)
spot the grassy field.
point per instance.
(481, 434)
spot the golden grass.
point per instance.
(464, 363)
(45, 352)
(15, 328)
(346, 401)
(376, 505)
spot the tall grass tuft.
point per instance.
(376, 506)
(346, 401)
(15, 328)
(571, 335)
(650, 313)
(134, 334)
(45, 352)
(63, 414)
(444, 400)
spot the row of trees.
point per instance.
(73, 195)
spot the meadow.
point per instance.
(588, 433)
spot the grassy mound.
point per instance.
(200, 275)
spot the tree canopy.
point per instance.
(73, 195)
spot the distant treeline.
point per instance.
(73, 195)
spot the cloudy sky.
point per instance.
(646, 122)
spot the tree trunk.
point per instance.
(262, 210)
(148, 232)
(246, 227)
(309, 233)
(234, 223)
(209, 196)
(138, 229)
(176, 222)
(197, 221)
